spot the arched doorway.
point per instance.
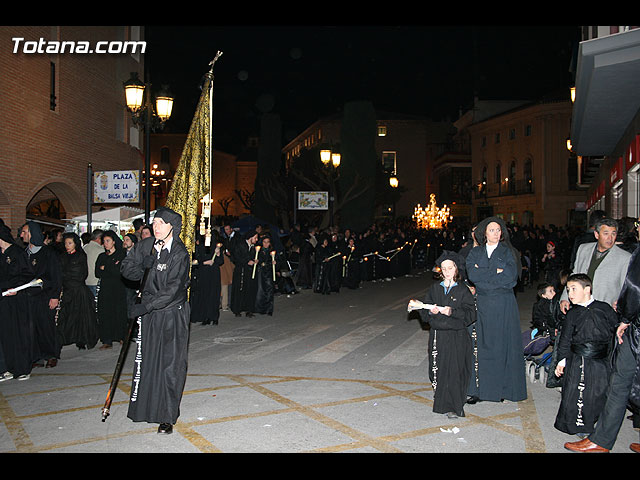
(54, 202)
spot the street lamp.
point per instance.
(143, 113)
(331, 160)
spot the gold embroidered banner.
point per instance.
(191, 181)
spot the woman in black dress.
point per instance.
(77, 323)
(112, 297)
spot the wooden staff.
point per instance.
(125, 347)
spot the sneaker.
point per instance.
(6, 376)
(24, 377)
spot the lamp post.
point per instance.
(331, 161)
(393, 182)
(143, 113)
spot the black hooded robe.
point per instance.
(46, 266)
(16, 326)
(450, 347)
(586, 343)
(160, 368)
(500, 369)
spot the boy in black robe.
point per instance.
(584, 351)
(160, 370)
(450, 346)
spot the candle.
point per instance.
(273, 264)
(215, 253)
(344, 259)
(253, 275)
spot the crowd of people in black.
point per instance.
(84, 298)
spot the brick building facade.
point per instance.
(62, 111)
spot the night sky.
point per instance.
(305, 72)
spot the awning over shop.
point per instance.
(113, 215)
(607, 92)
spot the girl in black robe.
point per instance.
(264, 273)
(77, 322)
(205, 306)
(112, 298)
(450, 346)
(16, 326)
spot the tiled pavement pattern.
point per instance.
(294, 382)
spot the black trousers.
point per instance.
(620, 383)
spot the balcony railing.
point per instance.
(506, 188)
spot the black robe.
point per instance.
(112, 297)
(266, 288)
(352, 272)
(46, 266)
(322, 276)
(77, 319)
(160, 370)
(586, 342)
(244, 288)
(16, 326)
(450, 347)
(501, 371)
(304, 275)
(205, 293)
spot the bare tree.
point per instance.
(224, 203)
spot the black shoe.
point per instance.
(249, 314)
(165, 428)
(238, 314)
(472, 400)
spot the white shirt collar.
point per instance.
(167, 245)
(587, 303)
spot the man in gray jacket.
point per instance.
(604, 262)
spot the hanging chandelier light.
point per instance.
(431, 217)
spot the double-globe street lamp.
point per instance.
(331, 160)
(143, 113)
